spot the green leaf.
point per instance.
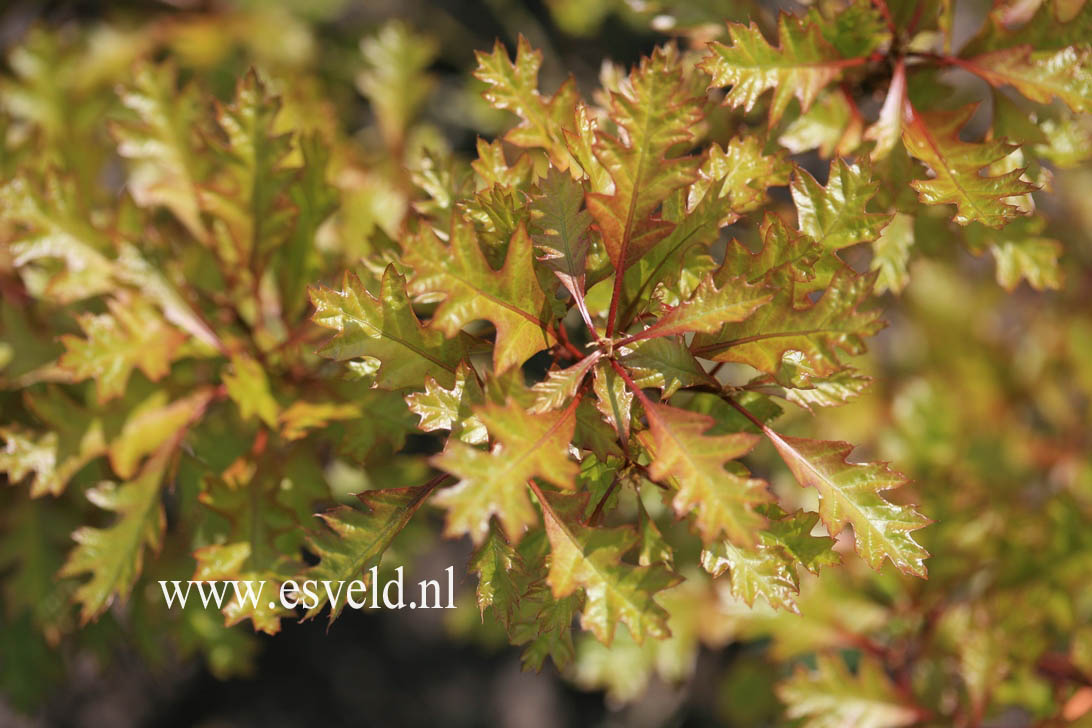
(500, 577)
(114, 556)
(497, 212)
(57, 227)
(357, 537)
(593, 434)
(494, 171)
(786, 253)
(543, 623)
(451, 409)
(560, 385)
(802, 65)
(513, 85)
(394, 79)
(1021, 252)
(461, 277)
(832, 126)
(831, 697)
(830, 391)
(677, 263)
(654, 547)
(754, 572)
(248, 197)
(33, 541)
(1041, 75)
(260, 542)
(315, 199)
(386, 329)
(613, 400)
(740, 172)
(380, 431)
(248, 387)
(150, 424)
(25, 453)
(849, 493)
(888, 127)
(1054, 24)
(792, 533)
(165, 168)
(891, 254)
(300, 417)
(495, 483)
(131, 335)
(855, 30)
(933, 137)
(52, 457)
(1034, 259)
(709, 308)
(76, 437)
(590, 559)
(560, 230)
(728, 418)
(664, 363)
(546, 628)
(229, 562)
(835, 216)
(768, 569)
(817, 330)
(722, 501)
(654, 113)
(133, 269)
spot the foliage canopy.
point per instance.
(578, 348)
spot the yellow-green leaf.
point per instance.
(849, 494)
(495, 482)
(386, 329)
(722, 501)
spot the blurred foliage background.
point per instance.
(983, 397)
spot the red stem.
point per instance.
(747, 413)
(563, 338)
(630, 383)
(602, 502)
(885, 11)
(616, 295)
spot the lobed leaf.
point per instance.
(933, 137)
(803, 64)
(708, 309)
(165, 167)
(114, 556)
(722, 501)
(831, 696)
(835, 216)
(386, 329)
(451, 409)
(654, 112)
(355, 538)
(470, 289)
(495, 482)
(849, 494)
(131, 335)
(591, 559)
(818, 331)
(513, 86)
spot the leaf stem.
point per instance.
(433, 483)
(616, 295)
(630, 383)
(602, 502)
(563, 337)
(747, 413)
